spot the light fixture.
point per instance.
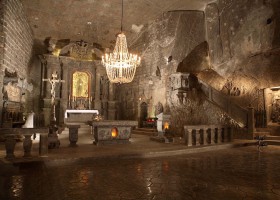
(121, 65)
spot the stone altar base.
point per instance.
(112, 132)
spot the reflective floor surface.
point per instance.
(240, 173)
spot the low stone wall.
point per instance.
(207, 135)
(11, 135)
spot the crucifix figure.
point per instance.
(53, 81)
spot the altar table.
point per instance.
(80, 112)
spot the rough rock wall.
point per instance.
(244, 44)
(16, 40)
(163, 45)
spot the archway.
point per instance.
(143, 113)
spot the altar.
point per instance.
(79, 115)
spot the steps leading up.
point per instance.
(145, 131)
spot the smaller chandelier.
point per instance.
(121, 65)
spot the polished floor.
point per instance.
(237, 173)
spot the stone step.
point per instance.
(140, 132)
(147, 129)
(271, 137)
(274, 129)
(261, 133)
(273, 142)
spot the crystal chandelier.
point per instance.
(121, 65)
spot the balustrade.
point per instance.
(207, 135)
(12, 134)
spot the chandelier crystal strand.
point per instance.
(121, 65)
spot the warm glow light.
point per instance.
(166, 125)
(114, 132)
(56, 52)
(121, 65)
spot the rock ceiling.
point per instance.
(97, 21)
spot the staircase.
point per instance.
(222, 101)
(145, 131)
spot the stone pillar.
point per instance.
(64, 91)
(197, 137)
(73, 134)
(204, 132)
(111, 103)
(190, 138)
(97, 101)
(10, 143)
(43, 145)
(212, 135)
(219, 135)
(27, 145)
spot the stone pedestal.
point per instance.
(27, 145)
(73, 134)
(43, 146)
(102, 131)
(10, 144)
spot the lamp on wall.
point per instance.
(121, 65)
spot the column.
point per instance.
(197, 137)
(188, 137)
(64, 90)
(97, 102)
(10, 143)
(111, 103)
(212, 135)
(27, 145)
(43, 145)
(219, 135)
(204, 132)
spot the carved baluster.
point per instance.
(198, 138)
(212, 134)
(219, 135)
(204, 132)
(27, 145)
(190, 138)
(10, 143)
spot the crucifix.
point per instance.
(53, 81)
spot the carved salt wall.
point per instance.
(163, 44)
(244, 47)
(16, 41)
